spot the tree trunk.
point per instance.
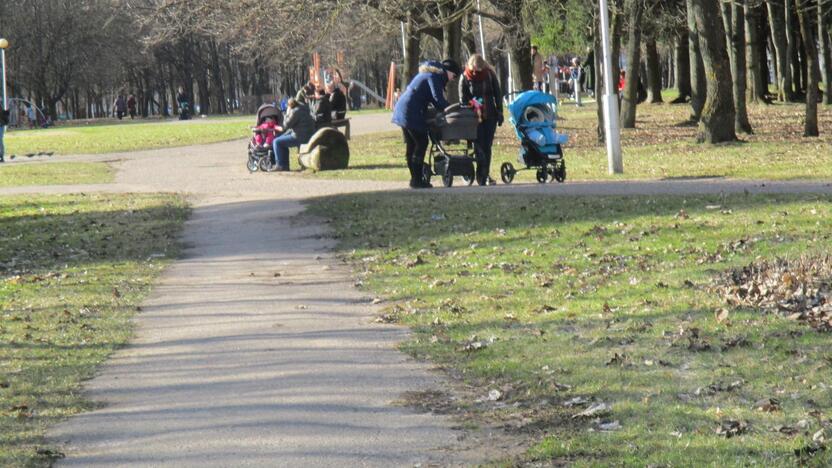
(681, 55)
(756, 91)
(697, 71)
(824, 11)
(599, 83)
(718, 113)
(734, 22)
(412, 51)
(654, 72)
(452, 49)
(792, 47)
(777, 17)
(807, 27)
(521, 59)
(629, 101)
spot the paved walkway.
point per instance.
(255, 349)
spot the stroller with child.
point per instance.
(452, 134)
(260, 151)
(533, 114)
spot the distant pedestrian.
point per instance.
(120, 106)
(538, 69)
(4, 120)
(31, 116)
(184, 104)
(355, 95)
(576, 77)
(131, 106)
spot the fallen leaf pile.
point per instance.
(799, 289)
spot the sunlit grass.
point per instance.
(550, 298)
(73, 269)
(13, 175)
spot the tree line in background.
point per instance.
(72, 57)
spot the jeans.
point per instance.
(2, 147)
(281, 147)
(485, 139)
(416, 145)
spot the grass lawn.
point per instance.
(73, 270)
(543, 307)
(659, 148)
(13, 175)
(110, 137)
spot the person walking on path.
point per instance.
(538, 69)
(410, 113)
(131, 106)
(4, 120)
(576, 76)
(120, 106)
(479, 83)
(184, 104)
(299, 126)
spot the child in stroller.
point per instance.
(533, 115)
(269, 121)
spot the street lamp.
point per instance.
(611, 131)
(4, 44)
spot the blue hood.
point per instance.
(526, 99)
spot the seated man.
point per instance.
(299, 127)
(321, 109)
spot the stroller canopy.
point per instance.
(529, 98)
(269, 110)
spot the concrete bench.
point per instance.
(341, 123)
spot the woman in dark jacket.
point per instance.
(479, 83)
(299, 128)
(338, 101)
(427, 87)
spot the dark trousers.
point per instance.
(416, 144)
(485, 140)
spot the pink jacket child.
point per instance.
(268, 131)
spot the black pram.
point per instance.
(452, 135)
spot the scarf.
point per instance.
(478, 76)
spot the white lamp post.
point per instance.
(611, 131)
(482, 34)
(3, 45)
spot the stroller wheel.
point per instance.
(265, 164)
(507, 173)
(559, 172)
(542, 175)
(447, 178)
(252, 165)
(469, 177)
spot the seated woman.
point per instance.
(337, 100)
(299, 127)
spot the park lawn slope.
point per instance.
(15, 175)
(662, 146)
(123, 137)
(545, 306)
(73, 271)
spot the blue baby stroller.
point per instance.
(533, 115)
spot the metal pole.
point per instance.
(510, 80)
(404, 42)
(613, 137)
(3, 59)
(482, 34)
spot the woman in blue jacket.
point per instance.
(427, 87)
